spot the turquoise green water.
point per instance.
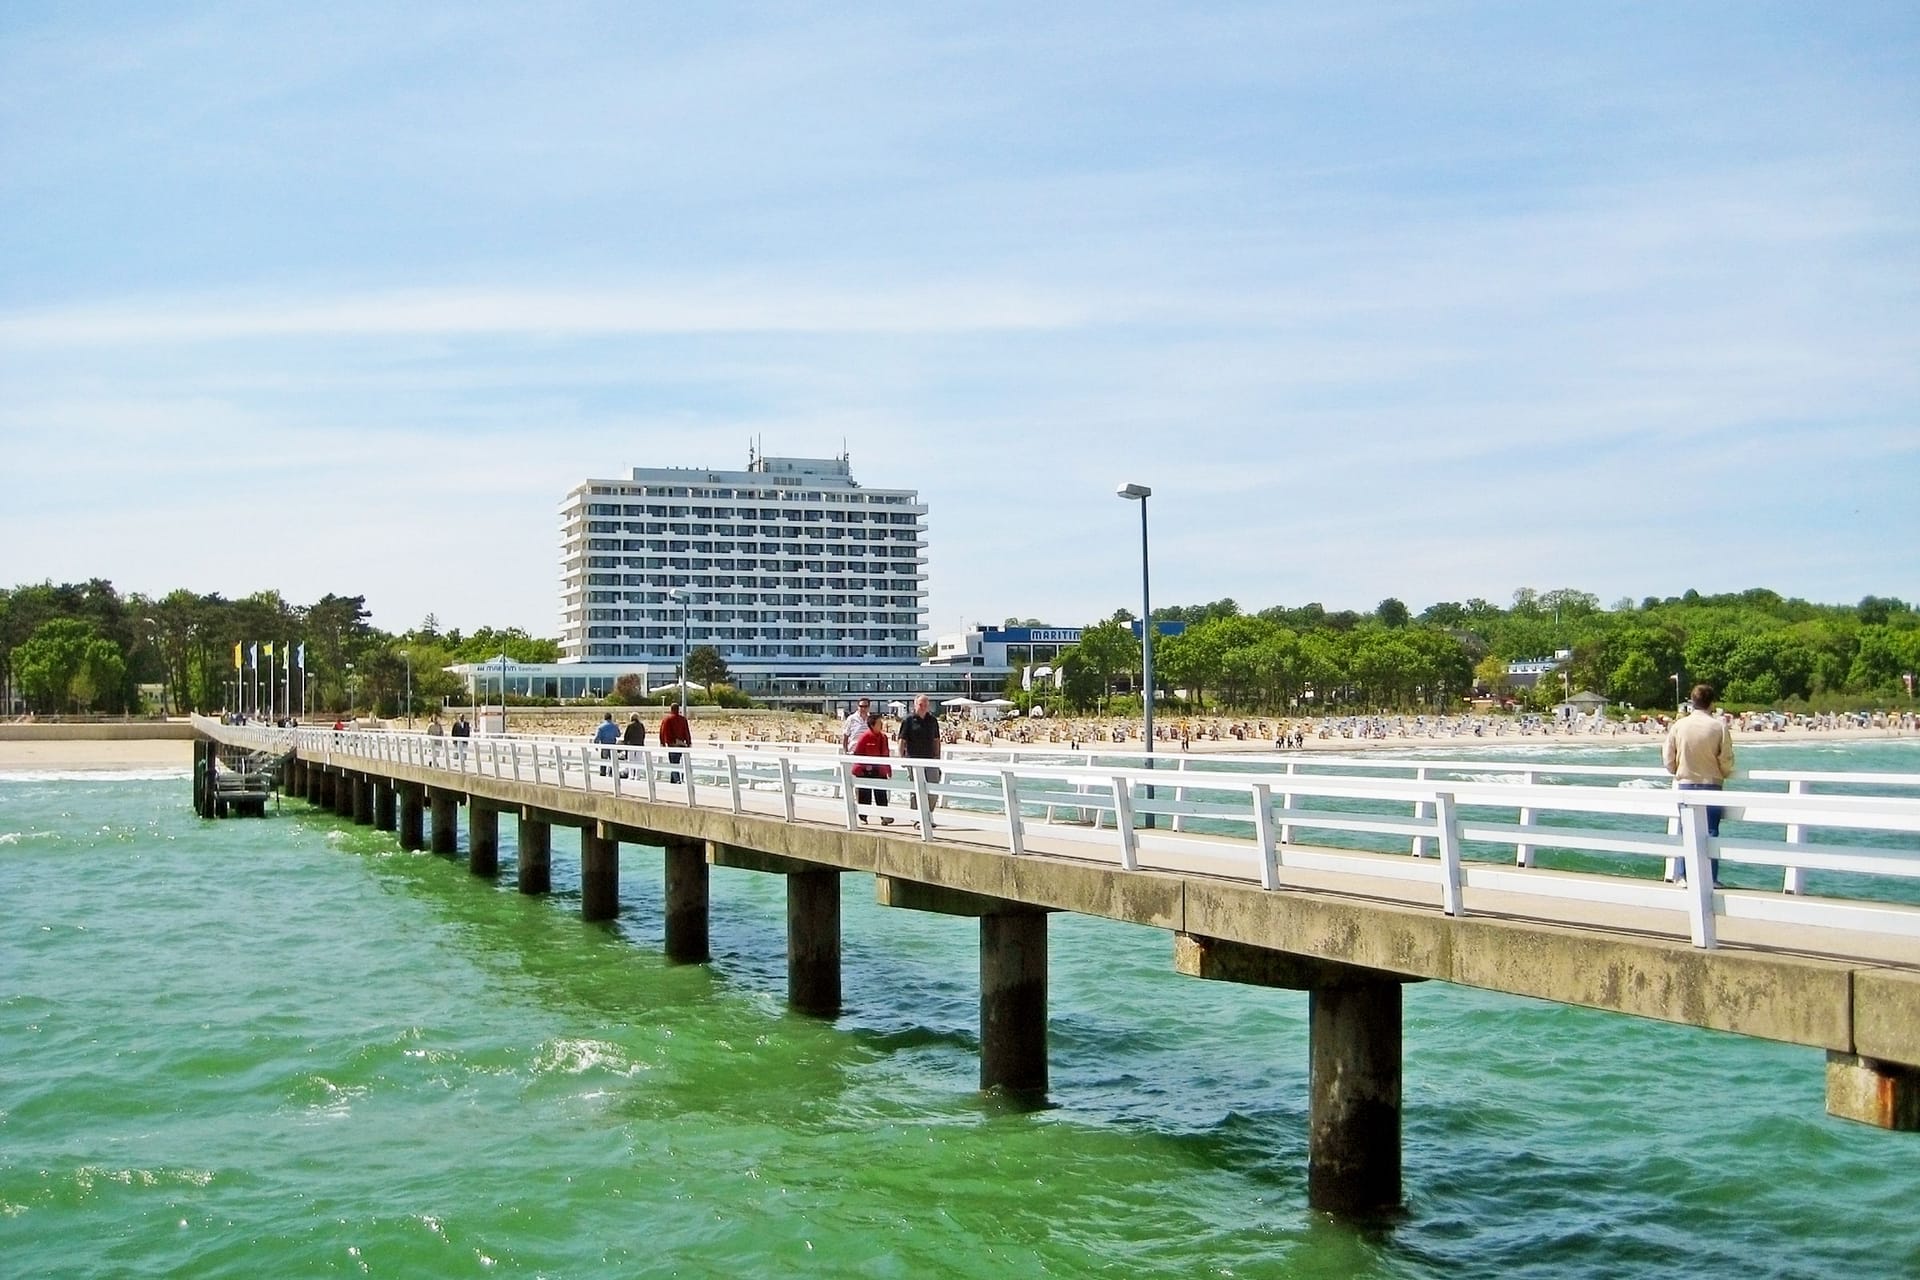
(285, 1048)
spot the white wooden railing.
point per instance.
(1463, 832)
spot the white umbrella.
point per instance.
(959, 702)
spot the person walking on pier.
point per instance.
(872, 743)
(1698, 752)
(854, 725)
(460, 732)
(674, 732)
(436, 734)
(606, 735)
(920, 740)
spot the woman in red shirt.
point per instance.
(873, 743)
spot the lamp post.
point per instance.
(503, 693)
(680, 597)
(352, 682)
(1675, 677)
(407, 658)
(1140, 493)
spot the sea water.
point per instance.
(286, 1048)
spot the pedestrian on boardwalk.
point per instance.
(674, 732)
(436, 736)
(460, 732)
(606, 735)
(920, 740)
(854, 725)
(636, 734)
(872, 743)
(1698, 752)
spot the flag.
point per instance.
(303, 655)
(269, 653)
(1026, 678)
(236, 655)
(253, 656)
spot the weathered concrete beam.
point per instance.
(1886, 1015)
(743, 859)
(914, 895)
(1222, 961)
(1883, 1094)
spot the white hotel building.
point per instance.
(810, 585)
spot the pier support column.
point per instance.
(363, 791)
(445, 807)
(291, 782)
(1883, 1094)
(1013, 1002)
(535, 838)
(314, 774)
(411, 804)
(1353, 1138)
(599, 874)
(385, 809)
(813, 941)
(483, 839)
(343, 785)
(686, 893)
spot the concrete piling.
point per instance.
(599, 874)
(535, 869)
(385, 807)
(412, 802)
(363, 793)
(686, 893)
(445, 808)
(813, 941)
(1013, 1002)
(1353, 1139)
(483, 838)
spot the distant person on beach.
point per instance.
(920, 740)
(1698, 752)
(674, 732)
(854, 725)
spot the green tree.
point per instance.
(66, 662)
(705, 666)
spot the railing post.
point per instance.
(1796, 877)
(586, 769)
(1693, 840)
(786, 784)
(733, 779)
(1421, 809)
(646, 772)
(1016, 829)
(1180, 794)
(1263, 832)
(686, 758)
(1523, 853)
(1123, 819)
(922, 802)
(1447, 823)
(847, 790)
(1286, 802)
(620, 758)
(1676, 866)
(534, 748)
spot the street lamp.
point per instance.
(407, 658)
(1675, 677)
(503, 693)
(352, 684)
(680, 597)
(1140, 493)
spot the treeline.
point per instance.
(1757, 648)
(84, 647)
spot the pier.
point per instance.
(1261, 876)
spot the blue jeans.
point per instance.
(1713, 819)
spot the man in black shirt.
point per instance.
(920, 740)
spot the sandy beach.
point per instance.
(67, 754)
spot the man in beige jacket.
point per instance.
(1698, 752)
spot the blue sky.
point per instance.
(1423, 300)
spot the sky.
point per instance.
(1421, 300)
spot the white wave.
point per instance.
(15, 837)
(169, 774)
(1643, 784)
(576, 1057)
